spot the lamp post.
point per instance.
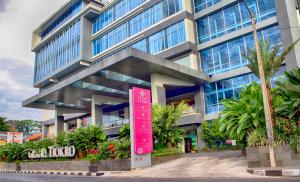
(266, 95)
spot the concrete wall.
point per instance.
(57, 165)
(7, 166)
(285, 157)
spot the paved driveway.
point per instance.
(217, 164)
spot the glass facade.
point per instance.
(233, 18)
(72, 11)
(162, 40)
(136, 24)
(228, 55)
(203, 4)
(64, 48)
(115, 12)
(215, 92)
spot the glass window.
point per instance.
(202, 4)
(67, 15)
(115, 12)
(228, 55)
(232, 18)
(140, 22)
(215, 92)
(64, 48)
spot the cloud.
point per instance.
(16, 86)
(3, 5)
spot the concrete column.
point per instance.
(201, 142)
(158, 92)
(59, 122)
(45, 131)
(79, 123)
(288, 18)
(97, 114)
(66, 127)
(199, 101)
(126, 112)
(190, 31)
(188, 6)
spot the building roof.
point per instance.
(33, 137)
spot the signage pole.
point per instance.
(137, 161)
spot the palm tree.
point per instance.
(165, 121)
(272, 58)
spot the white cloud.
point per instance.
(18, 18)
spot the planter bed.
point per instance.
(285, 157)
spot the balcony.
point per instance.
(191, 116)
(116, 123)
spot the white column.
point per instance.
(79, 123)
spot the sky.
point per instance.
(18, 18)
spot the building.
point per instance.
(90, 53)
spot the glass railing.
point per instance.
(116, 123)
(191, 110)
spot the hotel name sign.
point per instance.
(52, 152)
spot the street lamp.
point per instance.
(266, 95)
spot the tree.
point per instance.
(28, 127)
(3, 125)
(272, 59)
(165, 124)
(211, 133)
(241, 116)
(289, 90)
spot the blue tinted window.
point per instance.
(75, 8)
(64, 48)
(233, 18)
(167, 38)
(115, 12)
(202, 4)
(228, 55)
(215, 92)
(136, 24)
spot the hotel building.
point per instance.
(89, 53)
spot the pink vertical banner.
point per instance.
(142, 121)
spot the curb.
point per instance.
(275, 172)
(66, 173)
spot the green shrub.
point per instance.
(284, 131)
(124, 133)
(211, 133)
(123, 149)
(257, 137)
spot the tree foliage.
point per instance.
(211, 134)
(124, 133)
(165, 124)
(28, 127)
(242, 116)
(272, 58)
(3, 124)
(289, 90)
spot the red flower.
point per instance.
(111, 147)
(94, 151)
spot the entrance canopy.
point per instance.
(113, 77)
